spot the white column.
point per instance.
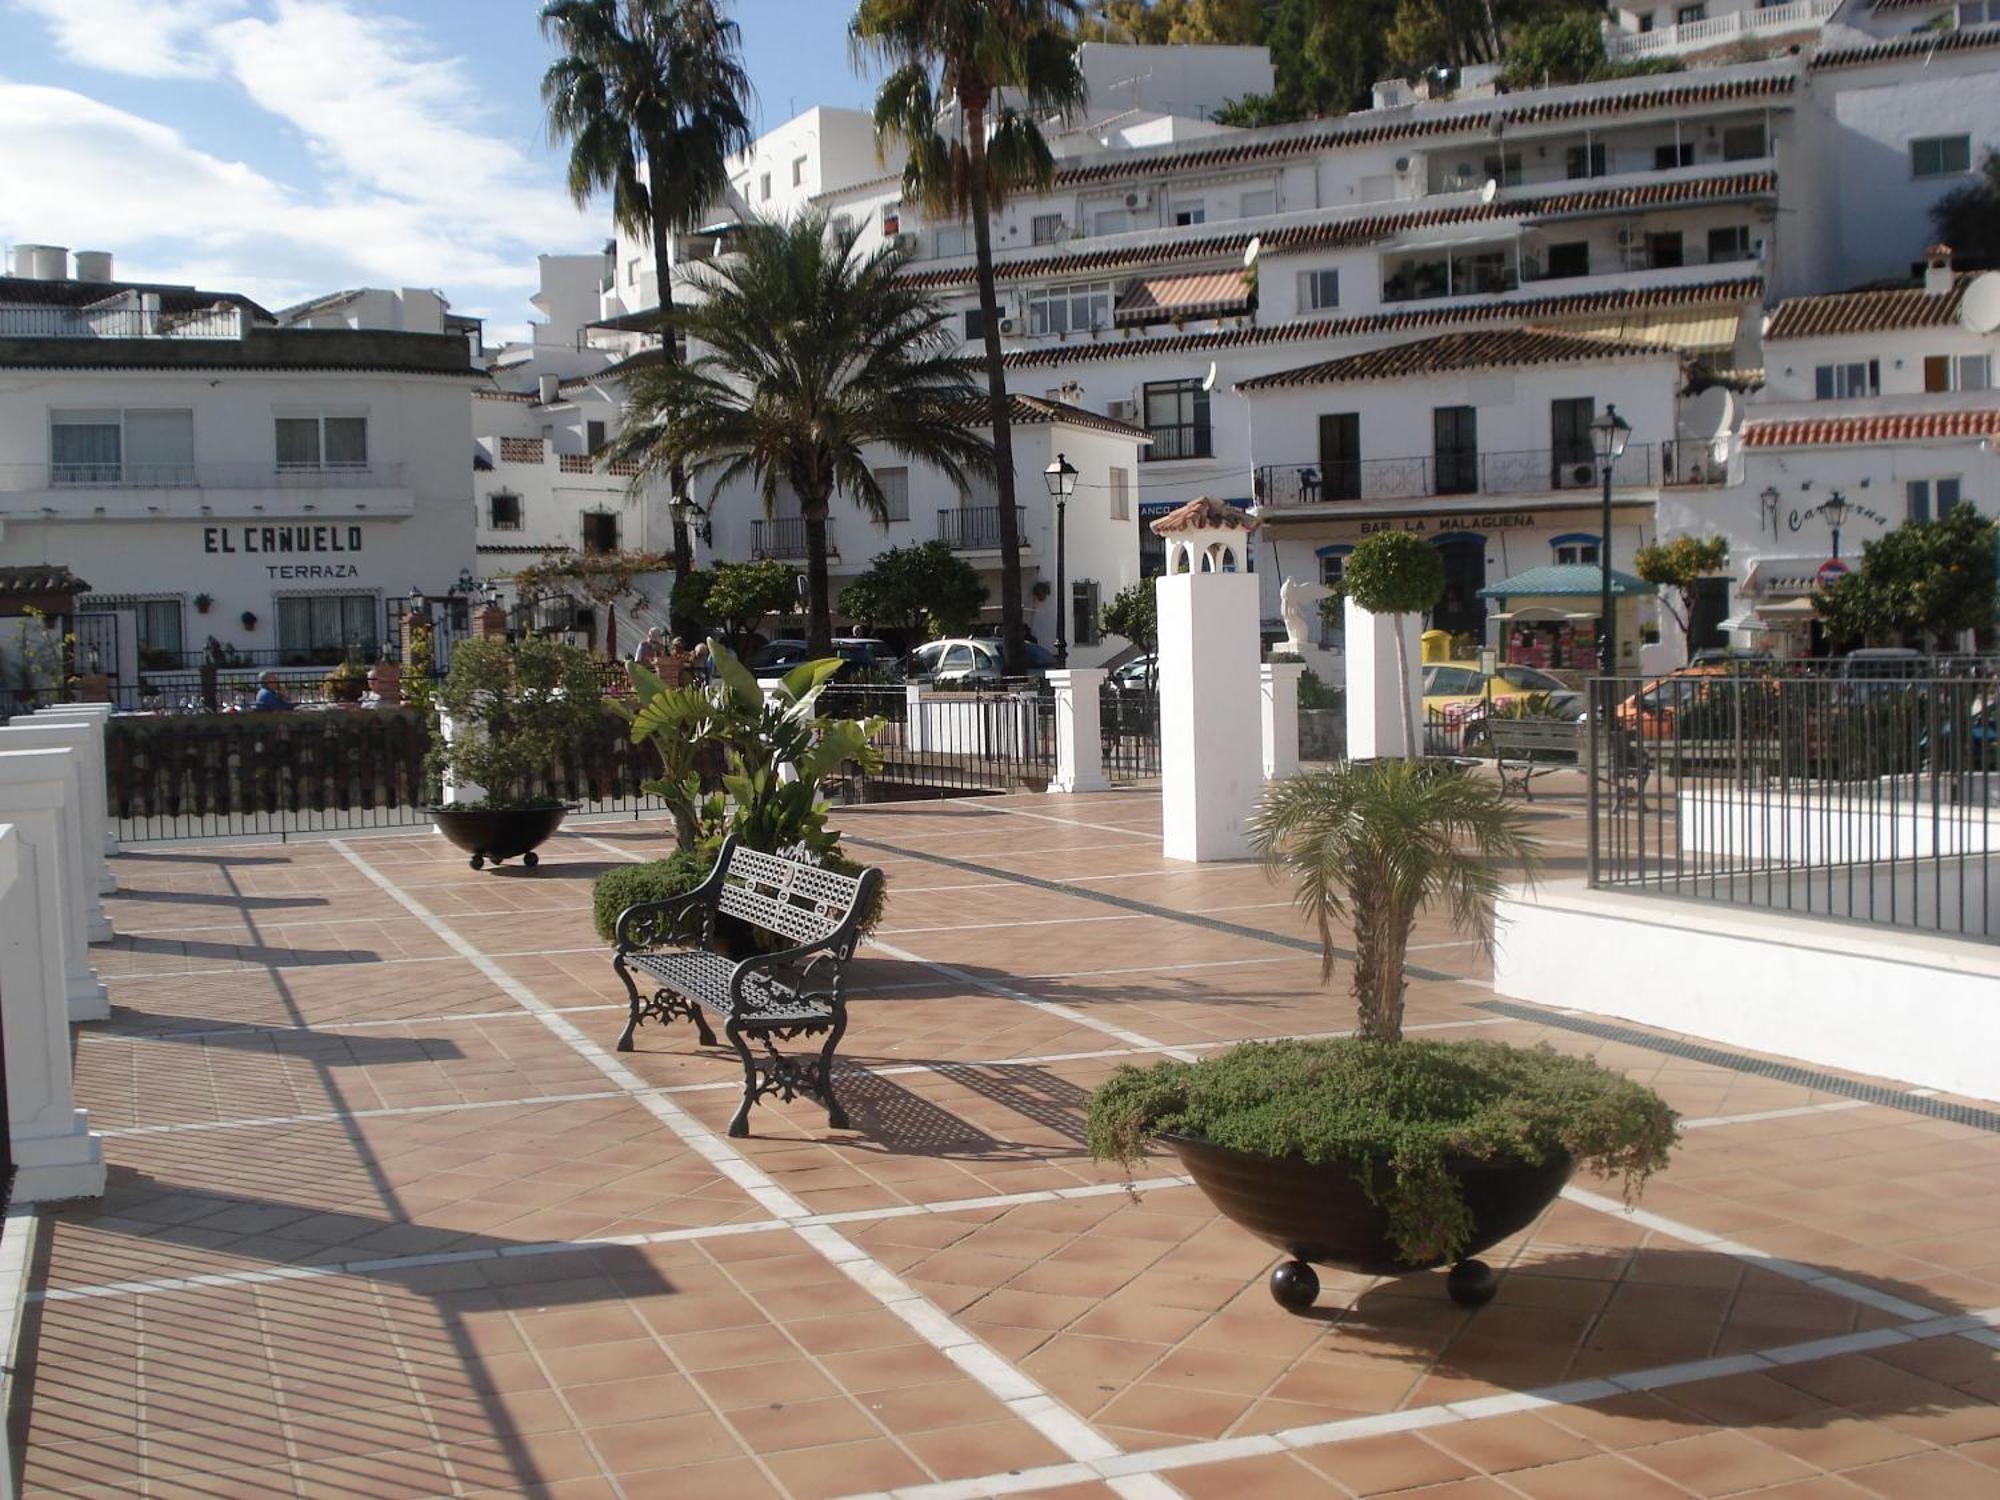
(55, 1154)
(1279, 684)
(35, 796)
(97, 804)
(75, 737)
(1211, 766)
(1374, 707)
(916, 728)
(456, 791)
(1079, 730)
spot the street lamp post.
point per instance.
(1835, 512)
(1061, 479)
(1610, 432)
(691, 515)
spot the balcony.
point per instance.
(1534, 471)
(1717, 31)
(970, 528)
(784, 538)
(155, 491)
(218, 322)
(199, 476)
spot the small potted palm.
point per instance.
(1371, 1152)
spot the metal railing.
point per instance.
(1129, 721)
(784, 537)
(970, 528)
(951, 744)
(1688, 464)
(1830, 794)
(219, 322)
(1530, 471)
(1714, 31)
(117, 475)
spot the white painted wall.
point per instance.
(1210, 705)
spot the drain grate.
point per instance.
(1761, 1067)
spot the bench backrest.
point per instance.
(795, 900)
(1534, 734)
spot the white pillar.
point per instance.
(1079, 730)
(35, 796)
(55, 1154)
(1374, 704)
(97, 803)
(1211, 766)
(456, 791)
(916, 730)
(1279, 684)
(75, 736)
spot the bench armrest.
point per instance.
(825, 947)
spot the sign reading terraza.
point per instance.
(309, 539)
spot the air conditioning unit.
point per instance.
(1139, 198)
(1009, 326)
(1578, 475)
(1122, 411)
(1402, 164)
(906, 242)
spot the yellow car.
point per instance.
(1456, 705)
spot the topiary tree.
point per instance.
(1396, 573)
(1678, 566)
(515, 707)
(921, 592)
(1134, 612)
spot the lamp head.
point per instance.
(1061, 478)
(1610, 432)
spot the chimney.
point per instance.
(550, 388)
(1938, 280)
(93, 265)
(1393, 93)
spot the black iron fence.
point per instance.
(1451, 472)
(952, 744)
(1830, 793)
(784, 537)
(970, 528)
(1129, 721)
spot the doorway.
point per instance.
(1461, 611)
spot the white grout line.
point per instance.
(335, 1027)
(250, 966)
(1707, 1121)
(1021, 812)
(1012, 1388)
(335, 1116)
(1156, 1461)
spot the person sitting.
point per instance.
(652, 650)
(677, 669)
(269, 699)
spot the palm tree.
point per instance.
(956, 55)
(1375, 843)
(802, 356)
(650, 95)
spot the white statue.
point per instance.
(1293, 598)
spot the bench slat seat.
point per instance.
(673, 967)
(1526, 748)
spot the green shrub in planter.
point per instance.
(681, 872)
(1397, 1113)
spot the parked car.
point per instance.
(961, 661)
(1455, 688)
(858, 654)
(1139, 675)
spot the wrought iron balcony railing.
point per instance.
(1529, 472)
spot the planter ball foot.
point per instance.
(1294, 1285)
(1472, 1283)
(478, 861)
(531, 859)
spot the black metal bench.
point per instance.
(795, 991)
(1526, 748)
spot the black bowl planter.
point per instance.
(496, 834)
(1319, 1215)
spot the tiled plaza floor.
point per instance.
(385, 1217)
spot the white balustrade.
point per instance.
(97, 803)
(37, 795)
(1079, 730)
(1278, 686)
(77, 737)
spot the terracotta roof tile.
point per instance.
(1349, 230)
(1027, 410)
(1203, 514)
(1924, 44)
(1905, 427)
(40, 578)
(1486, 349)
(1487, 310)
(1865, 312)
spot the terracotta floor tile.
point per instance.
(1722, 1463)
(1380, 1465)
(1276, 1476)
(987, 1448)
(1596, 1478)
(1499, 1445)
(845, 1469)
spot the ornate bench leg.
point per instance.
(701, 1024)
(632, 1018)
(836, 1117)
(740, 1125)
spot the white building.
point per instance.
(210, 473)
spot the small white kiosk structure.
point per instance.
(1211, 690)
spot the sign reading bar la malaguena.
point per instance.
(319, 539)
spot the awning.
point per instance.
(1202, 294)
(1789, 609)
(1782, 577)
(1692, 328)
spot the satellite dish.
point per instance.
(1491, 191)
(1979, 308)
(1250, 251)
(1709, 414)
(1208, 380)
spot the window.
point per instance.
(1646, 22)
(138, 446)
(1069, 309)
(1687, 15)
(1663, 251)
(892, 220)
(600, 531)
(1929, 499)
(951, 239)
(1848, 382)
(1504, 169)
(632, 271)
(1121, 494)
(1187, 214)
(1743, 142)
(593, 435)
(1940, 155)
(1665, 158)
(1332, 567)
(1110, 221)
(1258, 202)
(1572, 445)
(1318, 290)
(798, 171)
(1570, 258)
(1047, 228)
(322, 442)
(1962, 372)
(326, 626)
(1577, 547)
(1732, 243)
(1177, 420)
(158, 622)
(503, 511)
(1455, 449)
(1083, 612)
(1339, 458)
(895, 485)
(1978, 12)
(1584, 161)
(764, 187)
(975, 325)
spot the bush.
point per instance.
(1397, 1113)
(682, 871)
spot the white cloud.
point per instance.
(146, 38)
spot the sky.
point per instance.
(285, 148)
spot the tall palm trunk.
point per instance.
(669, 346)
(1381, 938)
(819, 622)
(996, 388)
(1410, 750)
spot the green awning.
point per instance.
(1565, 580)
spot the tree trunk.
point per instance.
(996, 388)
(819, 621)
(669, 348)
(1410, 750)
(1380, 940)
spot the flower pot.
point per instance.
(495, 834)
(1318, 1214)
